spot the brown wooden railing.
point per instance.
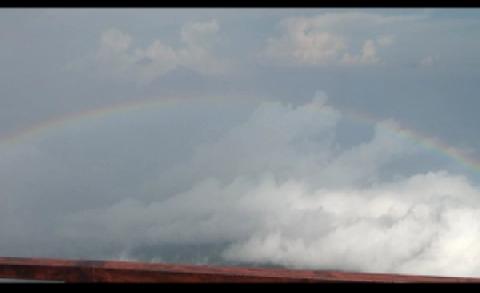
(81, 271)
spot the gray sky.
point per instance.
(320, 138)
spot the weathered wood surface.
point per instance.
(82, 271)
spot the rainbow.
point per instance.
(427, 142)
(61, 121)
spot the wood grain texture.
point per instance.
(84, 271)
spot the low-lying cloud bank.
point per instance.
(273, 189)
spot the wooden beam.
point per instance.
(84, 271)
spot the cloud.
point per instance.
(428, 61)
(368, 55)
(385, 41)
(271, 186)
(326, 39)
(198, 33)
(312, 48)
(403, 227)
(117, 56)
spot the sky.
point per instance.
(340, 139)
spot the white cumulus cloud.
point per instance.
(118, 57)
(328, 39)
(276, 189)
(271, 186)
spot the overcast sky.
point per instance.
(320, 139)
